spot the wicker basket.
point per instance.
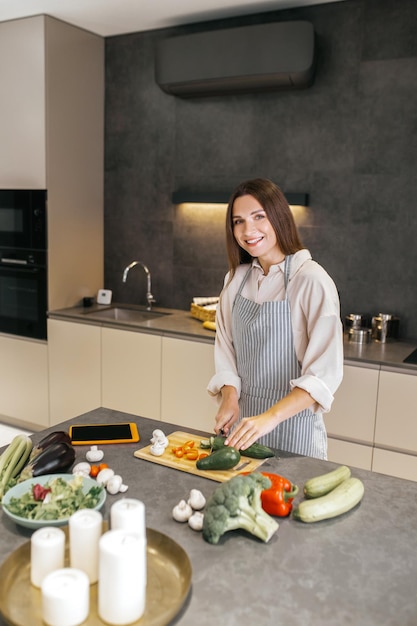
(202, 313)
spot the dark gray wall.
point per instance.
(350, 142)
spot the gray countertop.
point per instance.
(389, 355)
(357, 569)
(174, 322)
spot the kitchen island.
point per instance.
(359, 569)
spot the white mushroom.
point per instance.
(196, 500)
(157, 449)
(196, 520)
(182, 511)
(104, 476)
(82, 469)
(113, 484)
(94, 455)
(159, 438)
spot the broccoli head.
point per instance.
(236, 504)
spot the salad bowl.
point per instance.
(21, 490)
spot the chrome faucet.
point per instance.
(149, 297)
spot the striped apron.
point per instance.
(266, 362)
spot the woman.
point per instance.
(279, 339)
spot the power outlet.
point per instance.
(104, 296)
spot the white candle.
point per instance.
(122, 577)
(85, 529)
(47, 551)
(128, 514)
(65, 597)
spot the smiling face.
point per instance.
(261, 205)
(254, 232)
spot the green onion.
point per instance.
(13, 459)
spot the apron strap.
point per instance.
(287, 268)
(242, 284)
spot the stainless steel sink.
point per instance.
(126, 315)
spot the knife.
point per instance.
(241, 466)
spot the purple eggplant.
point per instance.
(57, 458)
(57, 436)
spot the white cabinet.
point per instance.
(351, 422)
(74, 369)
(75, 154)
(395, 464)
(352, 415)
(372, 424)
(131, 372)
(24, 382)
(187, 367)
(348, 453)
(396, 425)
(52, 137)
(22, 107)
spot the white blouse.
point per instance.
(316, 324)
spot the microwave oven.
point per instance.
(23, 219)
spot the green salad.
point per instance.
(56, 499)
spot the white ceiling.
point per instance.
(117, 17)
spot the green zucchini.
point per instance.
(255, 451)
(217, 443)
(342, 499)
(223, 459)
(13, 460)
(320, 485)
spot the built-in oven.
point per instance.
(23, 262)
(23, 292)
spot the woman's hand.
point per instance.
(228, 412)
(249, 430)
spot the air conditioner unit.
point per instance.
(238, 60)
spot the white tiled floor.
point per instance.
(8, 432)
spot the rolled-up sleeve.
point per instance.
(224, 352)
(318, 336)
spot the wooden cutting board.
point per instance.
(185, 465)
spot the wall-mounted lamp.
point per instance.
(219, 197)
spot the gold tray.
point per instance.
(169, 581)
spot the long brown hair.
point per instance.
(276, 207)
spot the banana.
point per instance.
(209, 325)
